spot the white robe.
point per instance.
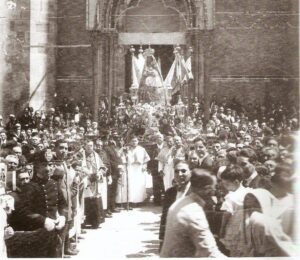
(137, 158)
(3, 224)
(102, 183)
(165, 164)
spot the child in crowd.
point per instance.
(231, 234)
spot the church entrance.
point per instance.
(163, 25)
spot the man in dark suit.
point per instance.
(115, 166)
(157, 177)
(180, 189)
(205, 160)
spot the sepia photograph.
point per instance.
(149, 129)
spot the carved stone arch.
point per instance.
(113, 9)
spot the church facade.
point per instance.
(69, 48)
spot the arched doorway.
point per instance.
(121, 23)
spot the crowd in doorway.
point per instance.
(229, 176)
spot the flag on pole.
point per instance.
(178, 74)
(188, 66)
(140, 64)
(134, 73)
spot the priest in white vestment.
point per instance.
(137, 159)
(165, 163)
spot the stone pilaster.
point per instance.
(14, 55)
(43, 32)
(97, 46)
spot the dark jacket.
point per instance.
(37, 202)
(115, 160)
(169, 199)
(153, 151)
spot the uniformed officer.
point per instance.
(42, 213)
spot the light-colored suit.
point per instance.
(187, 231)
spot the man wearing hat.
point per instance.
(42, 211)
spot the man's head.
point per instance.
(23, 177)
(270, 153)
(159, 139)
(169, 141)
(81, 130)
(246, 159)
(272, 143)
(89, 146)
(177, 140)
(35, 140)
(17, 150)
(200, 147)
(99, 145)
(231, 177)
(3, 136)
(247, 139)
(193, 159)
(271, 165)
(12, 162)
(88, 123)
(181, 174)
(221, 155)
(216, 147)
(94, 125)
(133, 141)
(61, 149)
(203, 183)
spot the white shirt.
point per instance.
(181, 194)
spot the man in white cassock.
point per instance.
(137, 159)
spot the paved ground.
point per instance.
(128, 234)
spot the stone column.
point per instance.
(120, 70)
(43, 31)
(5, 15)
(112, 66)
(97, 40)
(206, 44)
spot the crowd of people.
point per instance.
(230, 175)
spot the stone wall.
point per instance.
(74, 63)
(164, 20)
(255, 49)
(14, 56)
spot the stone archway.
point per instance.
(195, 21)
